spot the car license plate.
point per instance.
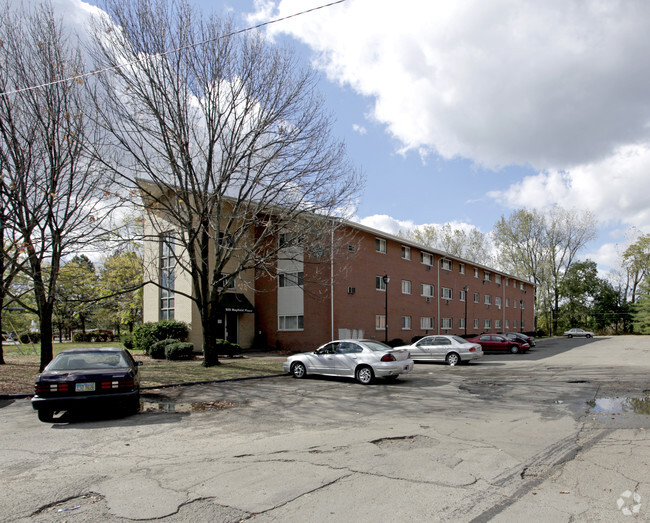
(84, 387)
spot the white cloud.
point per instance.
(554, 83)
(359, 129)
(385, 223)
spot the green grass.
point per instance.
(17, 376)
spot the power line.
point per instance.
(79, 77)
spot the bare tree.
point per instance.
(543, 247)
(470, 244)
(50, 187)
(225, 138)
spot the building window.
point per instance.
(446, 323)
(497, 279)
(406, 287)
(426, 323)
(291, 279)
(521, 285)
(487, 324)
(476, 297)
(380, 322)
(406, 253)
(521, 303)
(225, 283)
(487, 299)
(507, 324)
(461, 268)
(447, 294)
(475, 273)
(427, 290)
(446, 264)
(167, 277)
(406, 323)
(462, 295)
(507, 302)
(461, 323)
(522, 327)
(497, 301)
(426, 258)
(514, 324)
(497, 324)
(487, 276)
(291, 323)
(380, 284)
(380, 245)
(476, 323)
(514, 304)
(286, 239)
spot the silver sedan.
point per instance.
(359, 359)
(450, 349)
(574, 333)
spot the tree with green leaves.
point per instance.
(636, 262)
(469, 244)
(77, 292)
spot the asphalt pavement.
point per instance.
(557, 434)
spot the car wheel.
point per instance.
(452, 359)
(298, 370)
(588, 335)
(46, 415)
(514, 349)
(364, 375)
(569, 335)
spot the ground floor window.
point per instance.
(461, 323)
(476, 324)
(497, 324)
(380, 322)
(426, 323)
(487, 324)
(446, 323)
(406, 323)
(291, 323)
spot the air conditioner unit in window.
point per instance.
(427, 299)
(447, 302)
(499, 307)
(428, 267)
(352, 290)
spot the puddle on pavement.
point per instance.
(177, 406)
(622, 404)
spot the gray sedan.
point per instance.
(576, 333)
(359, 359)
(450, 349)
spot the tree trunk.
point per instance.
(47, 350)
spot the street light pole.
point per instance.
(466, 289)
(386, 279)
(521, 315)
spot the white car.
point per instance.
(576, 333)
(450, 349)
(359, 359)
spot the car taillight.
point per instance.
(117, 384)
(388, 357)
(473, 349)
(40, 388)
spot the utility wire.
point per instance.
(79, 77)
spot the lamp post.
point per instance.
(521, 314)
(466, 289)
(386, 279)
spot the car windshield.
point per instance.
(376, 345)
(459, 339)
(88, 360)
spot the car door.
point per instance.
(322, 360)
(499, 342)
(422, 349)
(346, 358)
(440, 348)
(485, 340)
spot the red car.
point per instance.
(494, 342)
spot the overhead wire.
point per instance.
(80, 77)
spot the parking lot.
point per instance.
(557, 434)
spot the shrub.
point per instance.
(143, 337)
(170, 329)
(158, 349)
(127, 341)
(29, 337)
(396, 342)
(179, 351)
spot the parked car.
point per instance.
(359, 359)
(87, 378)
(576, 333)
(496, 342)
(450, 349)
(519, 336)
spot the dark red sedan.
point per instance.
(495, 342)
(87, 378)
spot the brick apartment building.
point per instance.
(309, 302)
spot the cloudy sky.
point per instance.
(465, 111)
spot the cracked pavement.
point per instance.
(508, 438)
